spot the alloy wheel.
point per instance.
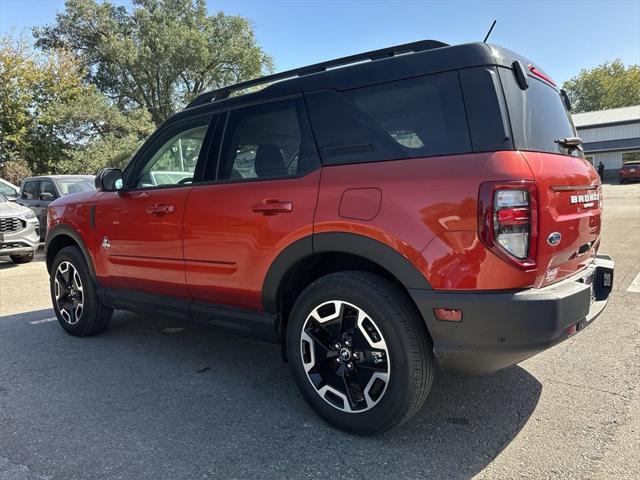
(68, 292)
(345, 356)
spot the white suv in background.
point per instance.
(19, 231)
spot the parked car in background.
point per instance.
(8, 189)
(19, 231)
(630, 171)
(38, 192)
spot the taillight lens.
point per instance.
(507, 220)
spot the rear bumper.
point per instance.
(501, 329)
(630, 176)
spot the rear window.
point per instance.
(538, 115)
(417, 117)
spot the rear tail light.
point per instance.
(507, 223)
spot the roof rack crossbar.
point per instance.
(224, 92)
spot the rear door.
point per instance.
(569, 189)
(258, 199)
(139, 229)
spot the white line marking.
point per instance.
(44, 320)
(635, 285)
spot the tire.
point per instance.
(19, 259)
(72, 291)
(622, 181)
(391, 341)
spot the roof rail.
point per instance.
(224, 92)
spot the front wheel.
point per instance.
(74, 295)
(360, 353)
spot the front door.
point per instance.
(258, 199)
(139, 229)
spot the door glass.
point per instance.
(30, 190)
(264, 141)
(47, 187)
(174, 163)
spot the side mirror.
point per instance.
(109, 180)
(46, 196)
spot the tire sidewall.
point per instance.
(396, 399)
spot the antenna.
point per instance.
(489, 32)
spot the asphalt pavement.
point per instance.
(145, 400)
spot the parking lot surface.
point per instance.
(143, 402)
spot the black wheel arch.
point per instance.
(61, 236)
(367, 248)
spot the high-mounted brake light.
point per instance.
(539, 73)
(508, 220)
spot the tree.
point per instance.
(610, 85)
(51, 121)
(158, 56)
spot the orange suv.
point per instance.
(380, 216)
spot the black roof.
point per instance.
(378, 66)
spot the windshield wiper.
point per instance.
(569, 142)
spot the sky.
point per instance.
(561, 37)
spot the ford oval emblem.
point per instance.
(554, 239)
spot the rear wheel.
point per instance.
(359, 352)
(18, 259)
(74, 295)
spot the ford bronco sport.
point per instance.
(421, 206)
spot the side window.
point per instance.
(30, 190)
(403, 119)
(173, 160)
(46, 186)
(266, 141)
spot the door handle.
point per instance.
(272, 206)
(160, 209)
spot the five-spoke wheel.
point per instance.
(73, 293)
(68, 292)
(359, 352)
(345, 356)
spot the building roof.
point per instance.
(606, 117)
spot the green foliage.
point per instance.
(51, 121)
(158, 56)
(610, 85)
(15, 171)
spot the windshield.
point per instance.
(75, 185)
(538, 115)
(3, 198)
(7, 189)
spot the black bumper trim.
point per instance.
(501, 329)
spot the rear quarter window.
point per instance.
(417, 117)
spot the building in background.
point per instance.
(610, 136)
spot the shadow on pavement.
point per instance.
(196, 402)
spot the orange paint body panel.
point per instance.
(229, 243)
